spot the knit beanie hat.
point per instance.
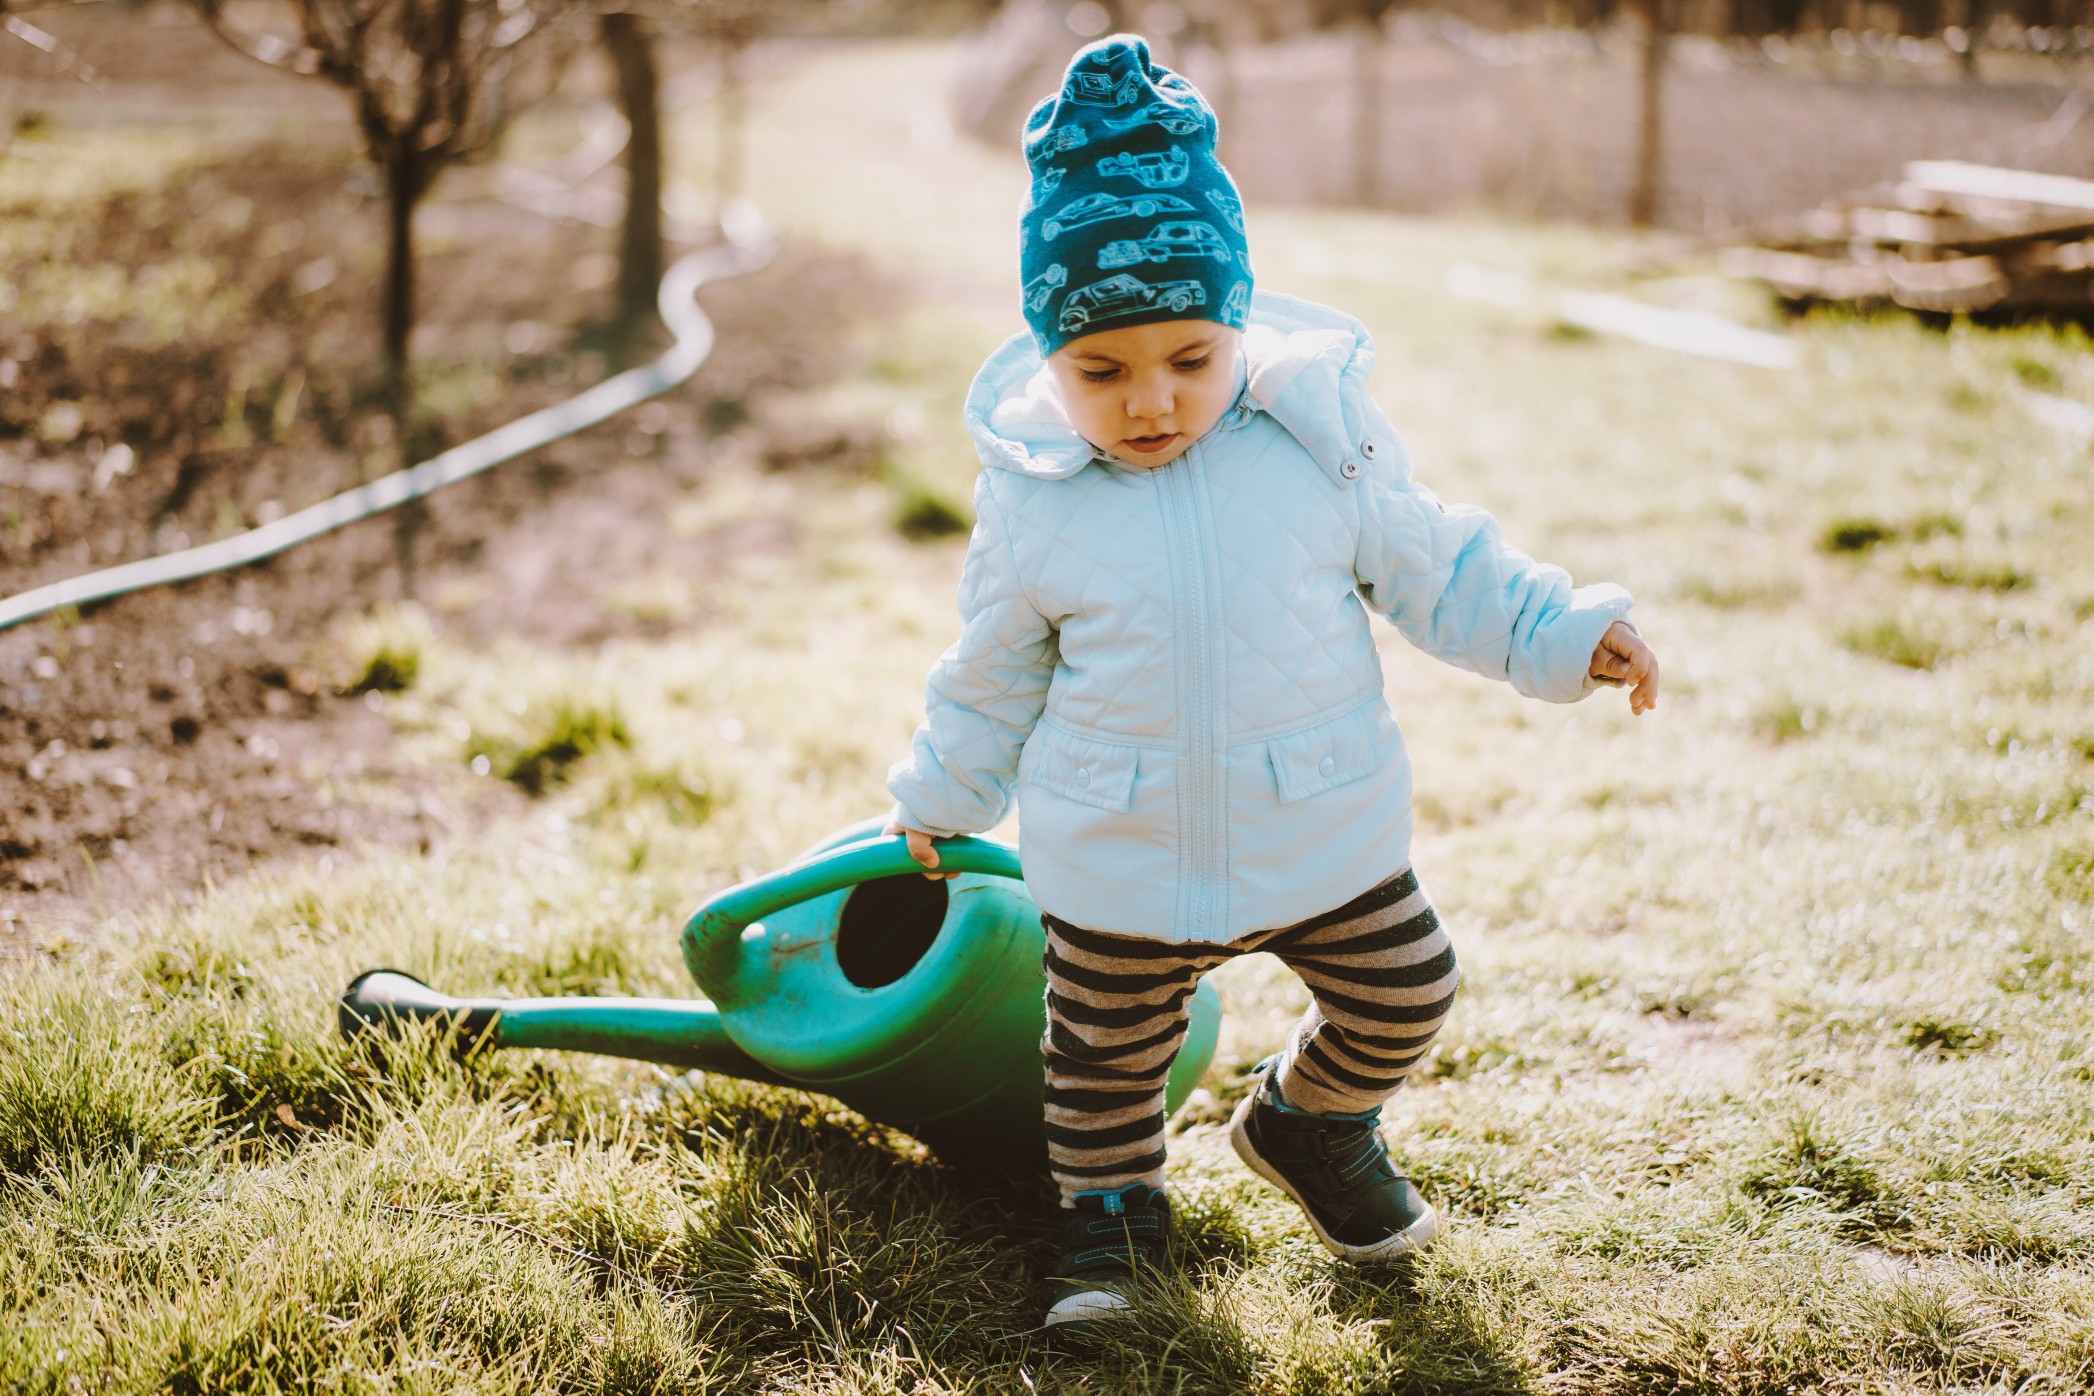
(1131, 219)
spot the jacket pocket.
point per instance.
(1079, 769)
(1331, 753)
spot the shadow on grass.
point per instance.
(818, 1237)
(1428, 1339)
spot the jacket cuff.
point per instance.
(1592, 610)
(902, 783)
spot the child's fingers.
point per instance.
(1609, 665)
(1615, 658)
(921, 850)
(1643, 674)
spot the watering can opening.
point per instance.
(887, 926)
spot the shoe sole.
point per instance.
(1409, 1241)
(1088, 1307)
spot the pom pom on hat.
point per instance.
(1132, 219)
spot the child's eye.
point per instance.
(1192, 365)
(1098, 375)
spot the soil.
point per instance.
(189, 734)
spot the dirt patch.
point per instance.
(223, 374)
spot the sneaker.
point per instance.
(1338, 1169)
(1109, 1239)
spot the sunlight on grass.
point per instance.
(382, 652)
(533, 741)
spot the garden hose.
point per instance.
(748, 245)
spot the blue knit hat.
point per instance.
(1131, 218)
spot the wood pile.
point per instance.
(1949, 237)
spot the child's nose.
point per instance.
(1149, 401)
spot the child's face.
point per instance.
(1144, 393)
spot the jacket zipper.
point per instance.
(1201, 878)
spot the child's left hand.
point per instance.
(1623, 658)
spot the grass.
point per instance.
(535, 741)
(1771, 1071)
(382, 651)
(923, 514)
(1894, 641)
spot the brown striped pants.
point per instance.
(1379, 968)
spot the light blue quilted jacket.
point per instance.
(1173, 667)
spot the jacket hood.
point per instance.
(1304, 364)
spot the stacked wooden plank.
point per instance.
(1948, 237)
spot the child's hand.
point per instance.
(920, 849)
(1623, 658)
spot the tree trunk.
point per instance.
(402, 191)
(1366, 116)
(631, 48)
(1223, 100)
(404, 183)
(1645, 185)
(729, 169)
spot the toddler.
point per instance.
(1189, 507)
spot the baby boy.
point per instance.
(1190, 506)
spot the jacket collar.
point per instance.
(1302, 364)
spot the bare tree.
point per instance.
(429, 83)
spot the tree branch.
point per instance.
(263, 48)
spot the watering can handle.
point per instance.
(716, 927)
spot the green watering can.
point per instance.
(919, 1004)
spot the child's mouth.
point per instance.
(1150, 445)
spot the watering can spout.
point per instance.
(685, 1033)
(378, 998)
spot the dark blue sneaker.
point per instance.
(1110, 1240)
(1338, 1169)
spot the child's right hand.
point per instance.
(920, 849)
(1622, 658)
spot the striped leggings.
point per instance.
(1379, 968)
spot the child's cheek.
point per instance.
(1094, 418)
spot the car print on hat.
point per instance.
(1156, 170)
(1165, 241)
(1043, 286)
(1099, 208)
(1103, 90)
(1124, 295)
(1060, 139)
(1179, 121)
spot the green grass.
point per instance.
(533, 742)
(1771, 1071)
(382, 652)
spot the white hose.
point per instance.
(748, 246)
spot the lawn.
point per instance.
(1771, 1071)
